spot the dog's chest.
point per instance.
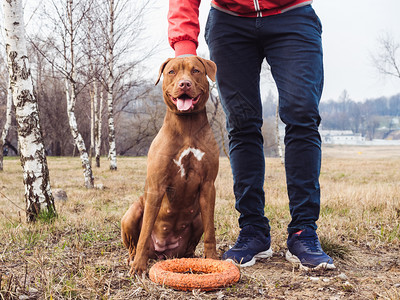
(190, 161)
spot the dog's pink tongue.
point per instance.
(184, 105)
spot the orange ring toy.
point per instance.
(188, 274)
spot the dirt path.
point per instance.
(367, 275)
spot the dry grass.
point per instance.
(80, 256)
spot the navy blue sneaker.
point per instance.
(251, 244)
(305, 249)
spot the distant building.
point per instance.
(341, 137)
(347, 137)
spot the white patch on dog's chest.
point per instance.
(198, 154)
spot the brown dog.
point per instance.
(179, 198)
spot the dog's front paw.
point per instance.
(138, 267)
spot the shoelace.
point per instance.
(310, 242)
(241, 241)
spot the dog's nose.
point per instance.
(184, 84)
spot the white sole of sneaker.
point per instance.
(264, 254)
(295, 260)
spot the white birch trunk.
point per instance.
(92, 105)
(97, 122)
(38, 194)
(112, 152)
(278, 138)
(92, 127)
(7, 125)
(78, 140)
(70, 92)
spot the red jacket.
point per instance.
(183, 17)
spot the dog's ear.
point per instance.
(162, 69)
(211, 67)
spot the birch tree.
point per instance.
(121, 30)
(112, 152)
(70, 92)
(95, 69)
(277, 135)
(93, 95)
(36, 178)
(98, 108)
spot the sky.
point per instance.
(351, 29)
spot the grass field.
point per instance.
(80, 255)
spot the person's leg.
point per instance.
(238, 57)
(294, 52)
(234, 48)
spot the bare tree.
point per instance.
(98, 108)
(371, 126)
(67, 18)
(38, 196)
(112, 152)
(122, 32)
(71, 88)
(387, 61)
(94, 52)
(93, 98)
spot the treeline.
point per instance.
(360, 117)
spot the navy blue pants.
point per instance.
(291, 44)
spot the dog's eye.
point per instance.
(195, 71)
(172, 72)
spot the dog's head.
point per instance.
(185, 84)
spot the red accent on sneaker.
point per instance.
(299, 232)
